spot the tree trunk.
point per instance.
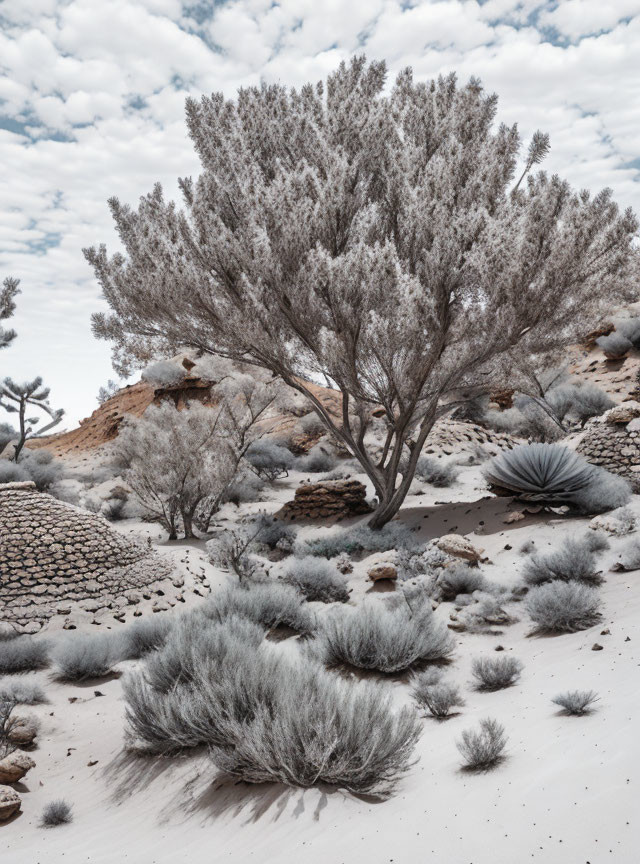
(391, 503)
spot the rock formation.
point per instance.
(328, 500)
(613, 442)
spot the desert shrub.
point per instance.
(311, 424)
(268, 603)
(56, 813)
(576, 702)
(563, 606)
(575, 559)
(12, 472)
(420, 562)
(459, 579)
(596, 541)
(23, 654)
(615, 345)
(318, 460)
(630, 329)
(605, 492)
(272, 532)
(486, 612)
(268, 459)
(21, 691)
(80, 656)
(382, 637)
(437, 698)
(317, 580)
(245, 488)
(359, 539)
(484, 749)
(7, 435)
(435, 472)
(266, 716)
(164, 373)
(586, 401)
(144, 635)
(495, 673)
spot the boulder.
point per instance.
(615, 523)
(14, 766)
(23, 731)
(459, 547)
(327, 500)
(624, 413)
(10, 803)
(383, 571)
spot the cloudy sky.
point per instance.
(92, 105)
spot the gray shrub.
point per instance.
(316, 580)
(267, 715)
(269, 604)
(605, 492)
(272, 532)
(245, 487)
(435, 472)
(615, 345)
(21, 691)
(319, 460)
(576, 702)
(575, 559)
(268, 459)
(496, 673)
(359, 539)
(56, 813)
(144, 635)
(630, 329)
(629, 557)
(563, 606)
(385, 638)
(438, 699)
(483, 749)
(23, 654)
(79, 657)
(459, 579)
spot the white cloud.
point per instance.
(99, 85)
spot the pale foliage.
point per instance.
(373, 240)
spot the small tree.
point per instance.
(374, 242)
(176, 460)
(108, 390)
(20, 398)
(7, 308)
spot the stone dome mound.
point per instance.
(613, 442)
(54, 555)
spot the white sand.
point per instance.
(568, 792)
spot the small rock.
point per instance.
(14, 766)
(606, 632)
(596, 647)
(499, 648)
(383, 571)
(23, 731)
(10, 803)
(459, 547)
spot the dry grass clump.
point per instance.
(144, 635)
(265, 714)
(575, 559)
(459, 579)
(56, 813)
(269, 604)
(21, 691)
(436, 473)
(496, 673)
(317, 580)
(563, 607)
(80, 657)
(576, 702)
(23, 654)
(388, 638)
(436, 698)
(483, 749)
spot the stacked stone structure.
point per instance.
(54, 555)
(613, 442)
(329, 500)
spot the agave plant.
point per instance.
(541, 472)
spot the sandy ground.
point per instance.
(567, 793)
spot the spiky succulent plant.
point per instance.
(541, 472)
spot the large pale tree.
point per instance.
(387, 244)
